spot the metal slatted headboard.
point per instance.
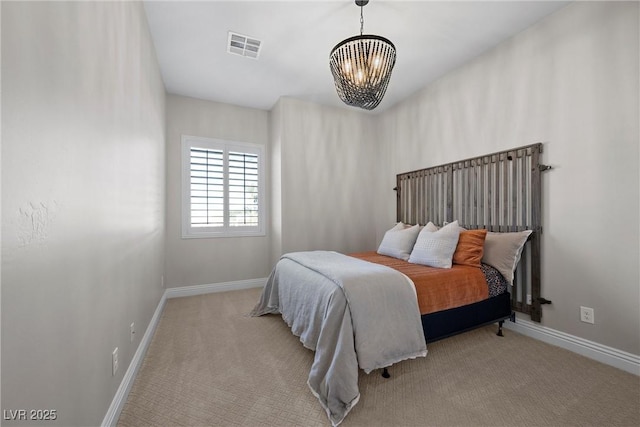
(500, 192)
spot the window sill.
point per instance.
(223, 235)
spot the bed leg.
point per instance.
(385, 373)
(500, 323)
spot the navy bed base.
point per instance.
(446, 323)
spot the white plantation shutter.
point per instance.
(222, 188)
(243, 189)
(207, 187)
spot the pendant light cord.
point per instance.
(361, 19)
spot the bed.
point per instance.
(465, 222)
(475, 296)
(352, 313)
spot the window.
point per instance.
(222, 188)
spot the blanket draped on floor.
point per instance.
(352, 313)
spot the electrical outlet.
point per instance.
(132, 331)
(114, 362)
(587, 315)
(528, 299)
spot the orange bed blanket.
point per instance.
(437, 288)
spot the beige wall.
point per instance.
(571, 82)
(210, 260)
(83, 197)
(327, 162)
(275, 168)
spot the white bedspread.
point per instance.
(352, 313)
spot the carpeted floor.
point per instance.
(209, 364)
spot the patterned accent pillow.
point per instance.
(497, 284)
(398, 242)
(436, 248)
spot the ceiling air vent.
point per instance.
(242, 45)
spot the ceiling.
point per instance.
(431, 39)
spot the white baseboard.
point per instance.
(607, 355)
(187, 291)
(113, 413)
(120, 398)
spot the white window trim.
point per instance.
(189, 232)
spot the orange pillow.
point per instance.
(470, 247)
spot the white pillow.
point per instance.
(503, 250)
(436, 248)
(399, 241)
(461, 228)
(431, 226)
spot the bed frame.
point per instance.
(500, 192)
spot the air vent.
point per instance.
(242, 45)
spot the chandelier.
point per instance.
(361, 67)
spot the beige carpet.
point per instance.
(211, 365)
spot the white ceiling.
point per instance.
(431, 38)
